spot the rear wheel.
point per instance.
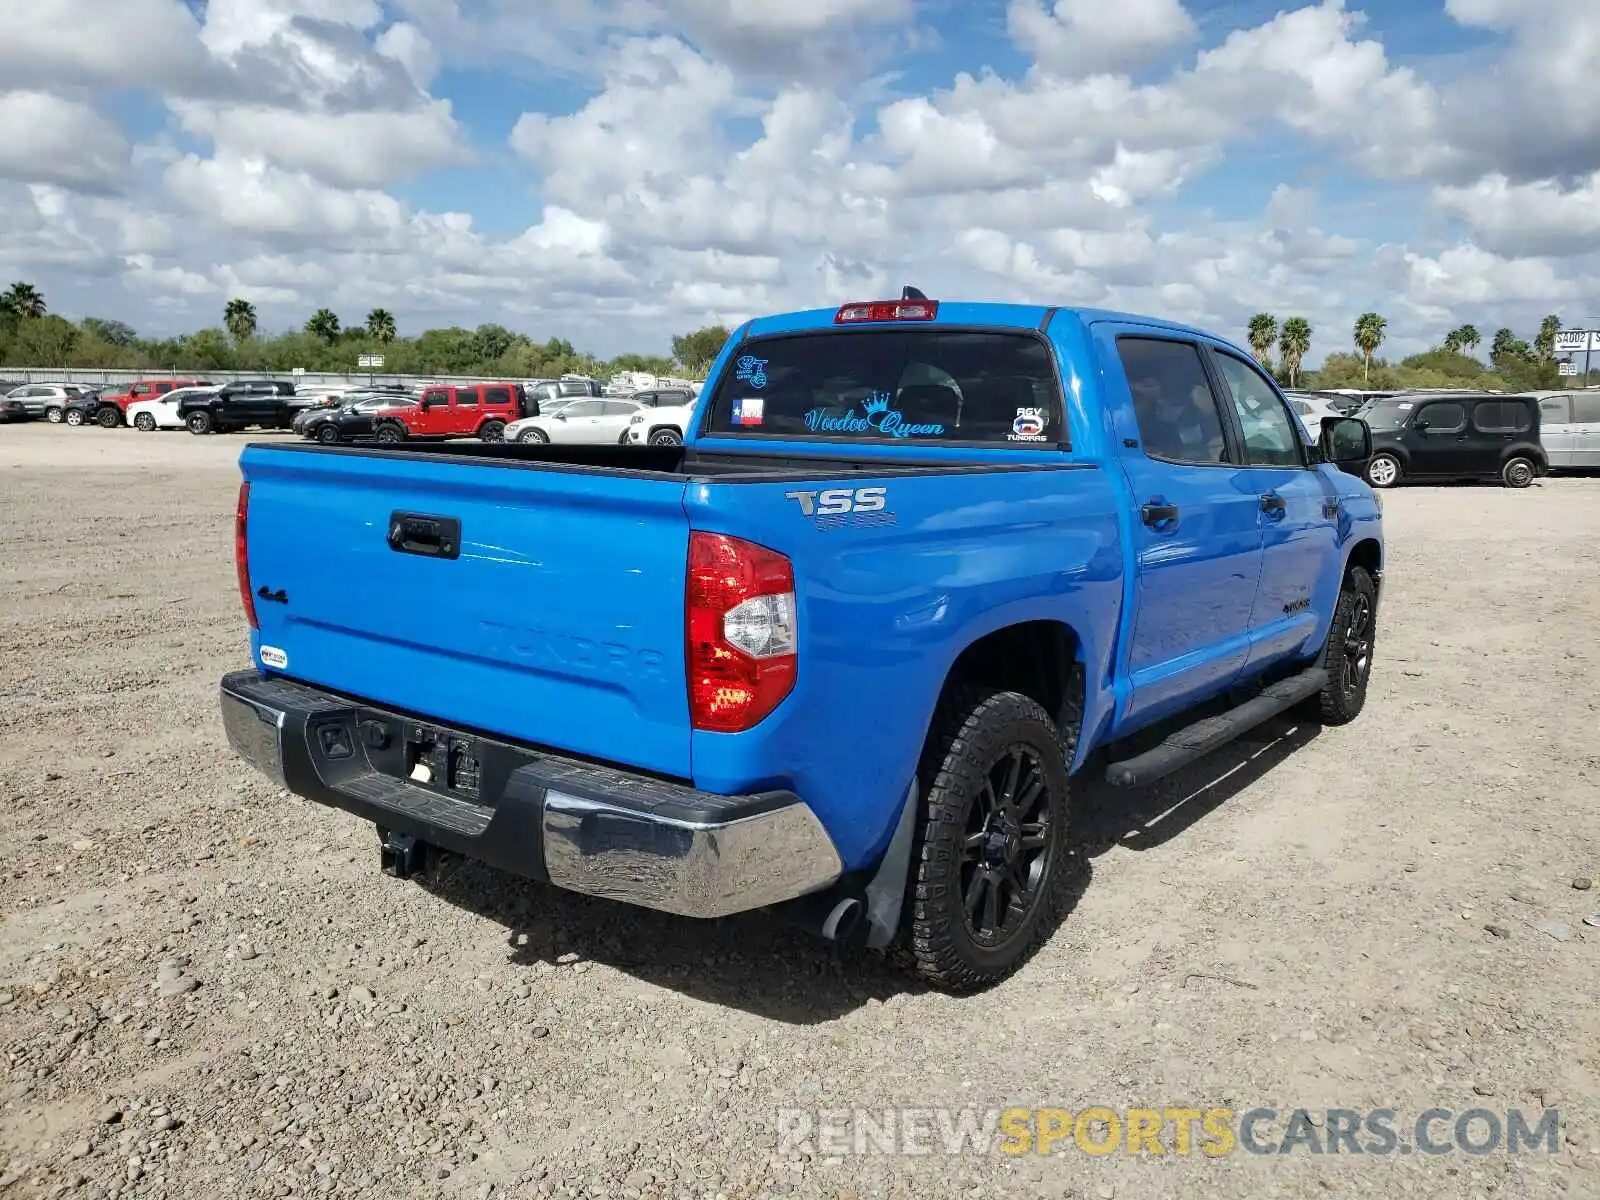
(328, 433)
(144, 422)
(992, 855)
(53, 414)
(74, 416)
(535, 437)
(1517, 472)
(198, 422)
(492, 431)
(1347, 654)
(109, 417)
(666, 437)
(1383, 470)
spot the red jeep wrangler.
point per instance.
(481, 410)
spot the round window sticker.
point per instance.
(1028, 426)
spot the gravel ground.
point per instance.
(207, 989)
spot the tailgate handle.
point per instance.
(420, 533)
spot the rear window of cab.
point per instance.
(928, 386)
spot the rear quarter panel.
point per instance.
(886, 608)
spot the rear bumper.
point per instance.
(583, 827)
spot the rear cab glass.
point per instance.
(928, 386)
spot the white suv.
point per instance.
(660, 426)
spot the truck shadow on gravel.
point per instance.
(758, 964)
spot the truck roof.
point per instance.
(968, 312)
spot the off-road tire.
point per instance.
(198, 423)
(1376, 470)
(108, 417)
(492, 431)
(1347, 654)
(389, 434)
(974, 732)
(1518, 471)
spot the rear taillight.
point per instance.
(241, 554)
(741, 632)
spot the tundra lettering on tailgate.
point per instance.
(572, 653)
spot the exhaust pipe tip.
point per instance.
(842, 920)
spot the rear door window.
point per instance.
(497, 395)
(1179, 420)
(1586, 409)
(1501, 416)
(466, 397)
(961, 387)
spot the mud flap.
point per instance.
(886, 891)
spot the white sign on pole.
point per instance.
(1567, 369)
(298, 371)
(1577, 341)
(370, 361)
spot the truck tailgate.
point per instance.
(554, 616)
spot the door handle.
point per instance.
(419, 533)
(1272, 504)
(1156, 515)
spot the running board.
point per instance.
(1197, 740)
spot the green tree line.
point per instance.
(1514, 364)
(31, 336)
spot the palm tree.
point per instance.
(1544, 345)
(23, 300)
(240, 318)
(1369, 332)
(324, 323)
(1452, 341)
(1470, 337)
(1263, 332)
(1294, 343)
(380, 325)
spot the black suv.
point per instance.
(268, 403)
(1454, 435)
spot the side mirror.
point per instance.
(1346, 442)
(1420, 424)
(561, 416)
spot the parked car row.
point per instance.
(1418, 435)
(491, 412)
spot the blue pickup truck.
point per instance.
(840, 654)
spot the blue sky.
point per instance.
(614, 171)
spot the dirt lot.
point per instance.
(1301, 923)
